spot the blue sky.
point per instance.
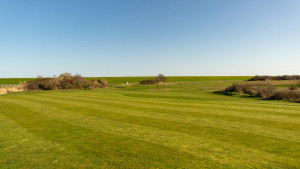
(147, 37)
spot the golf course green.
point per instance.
(188, 125)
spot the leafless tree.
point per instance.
(162, 78)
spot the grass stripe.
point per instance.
(250, 113)
(284, 123)
(183, 126)
(20, 148)
(236, 126)
(199, 147)
(101, 147)
(187, 126)
(253, 109)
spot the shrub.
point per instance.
(103, 83)
(33, 85)
(289, 95)
(267, 91)
(43, 84)
(293, 88)
(149, 81)
(91, 85)
(249, 89)
(77, 82)
(235, 88)
(65, 81)
(284, 77)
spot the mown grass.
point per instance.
(187, 126)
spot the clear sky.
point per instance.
(147, 37)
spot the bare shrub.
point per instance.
(267, 91)
(65, 81)
(48, 84)
(284, 77)
(103, 83)
(149, 81)
(77, 81)
(162, 78)
(33, 85)
(93, 84)
(249, 89)
(236, 87)
(289, 95)
(43, 84)
(273, 82)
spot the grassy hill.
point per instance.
(187, 126)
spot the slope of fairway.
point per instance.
(186, 126)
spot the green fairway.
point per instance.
(190, 125)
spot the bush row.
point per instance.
(268, 92)
(65, 81)
(284, 77)
(149, 81)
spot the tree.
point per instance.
(163, 79)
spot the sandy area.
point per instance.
(5, 90)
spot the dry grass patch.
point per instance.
(6, 90)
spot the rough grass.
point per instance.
(187, 126)
(123, 80)
(14, 80)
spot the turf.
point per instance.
(190, 125)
